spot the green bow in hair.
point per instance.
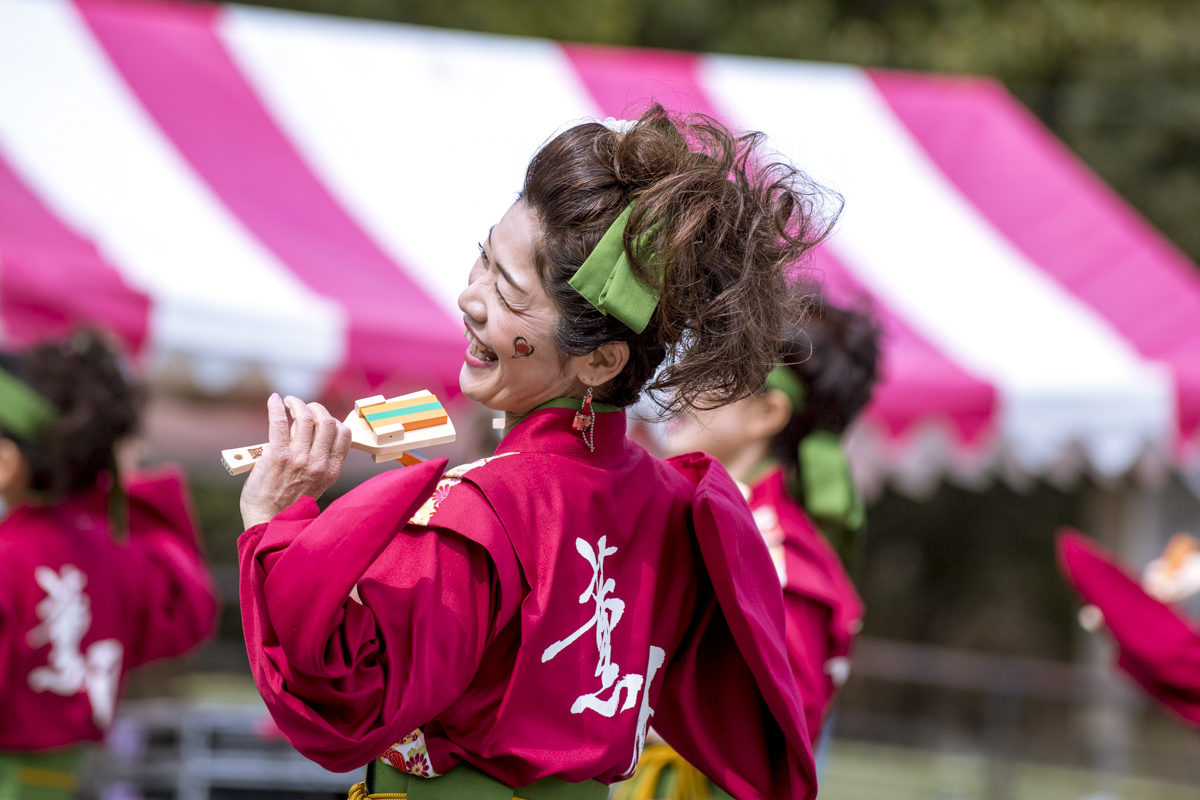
(26, 414)
(784, 379)
(23, 412)
(607, 280)
(826, 487)
(829, 491)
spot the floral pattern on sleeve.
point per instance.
(450, 479)
(410, 755)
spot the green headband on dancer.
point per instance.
(23, 412)
(827, 487)
(785, 379)
(607, 280)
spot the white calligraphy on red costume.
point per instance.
(609, 611)
(66, 615)
(657, 657)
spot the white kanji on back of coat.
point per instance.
(66, 617)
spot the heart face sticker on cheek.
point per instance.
(521, 348)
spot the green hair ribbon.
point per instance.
(607, 280)
(23, 412)
(829, 491)
(826, 485)
(784, 379)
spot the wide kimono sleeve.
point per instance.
(730, 704)
(175, 599)
(360, 625)
(1159, 648)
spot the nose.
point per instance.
(470, 300)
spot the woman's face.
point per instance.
(512, 363)
(738, 435)
(720, 432)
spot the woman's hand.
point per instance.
(304, 458)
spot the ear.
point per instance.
(602, 364)
(14, 472)
(773, 414)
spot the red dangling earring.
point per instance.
(585, 419)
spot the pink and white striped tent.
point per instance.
(235, 188)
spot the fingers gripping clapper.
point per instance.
(387, 429)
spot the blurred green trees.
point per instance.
(1118, 80)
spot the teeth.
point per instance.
(478, 351)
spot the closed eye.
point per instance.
(496, 286)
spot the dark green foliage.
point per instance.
(971, 570)
(219, 516)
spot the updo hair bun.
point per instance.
(729, 225)
(97, 407)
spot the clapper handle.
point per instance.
(241, 459)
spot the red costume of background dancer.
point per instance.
(785, 444)
(82, 601)
(1158, 646)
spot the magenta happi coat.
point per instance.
(823, 609)
(531, 614)
(1158, 646)
(79, 610)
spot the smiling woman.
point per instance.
(510, 627)
(712, 232)
(507, 313)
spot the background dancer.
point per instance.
(94, 581)
(516, 631)
(784, 446)
(1158, 645)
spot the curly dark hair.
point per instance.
(727, 225)
(835, 353)
(97, 407)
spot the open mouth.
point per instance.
(477, 350)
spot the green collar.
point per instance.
(573, 403)
(759, 470)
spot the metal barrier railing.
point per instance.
(166, 749)
(1008, 709)
(208, 751)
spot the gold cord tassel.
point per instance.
(359, 792)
